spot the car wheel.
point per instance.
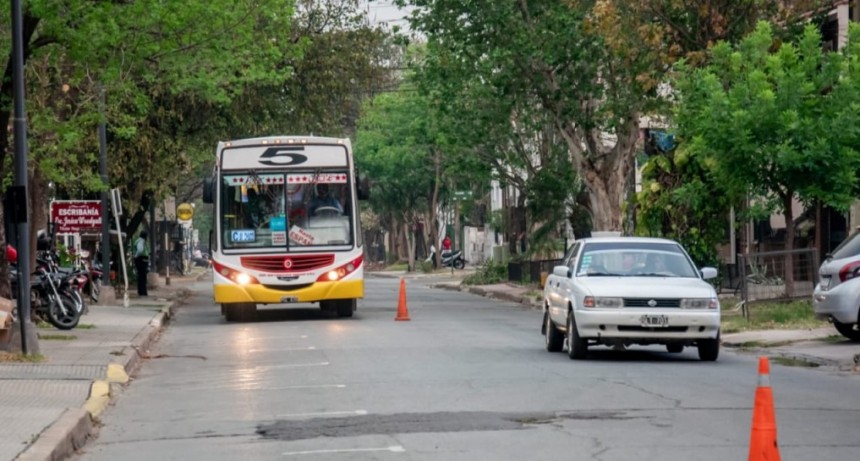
(848, 330)
(675, 348)
(577, 347)
(554, 338)
(709, 349)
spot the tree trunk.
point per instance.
(789, 243)
(410, 261)
(402, 241)
(38, 211)
(434, 233)
(605, 197)
(605, 169)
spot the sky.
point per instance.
(385, 11)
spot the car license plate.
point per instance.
(825, 282)
(289, 299)
(654, 321)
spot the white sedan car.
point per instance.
(630, 290)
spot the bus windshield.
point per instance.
(286, 210)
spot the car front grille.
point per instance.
(652, 302)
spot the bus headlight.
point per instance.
(342, 271)
(238, 277)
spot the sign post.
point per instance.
(116, 208)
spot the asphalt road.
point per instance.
(467, 378)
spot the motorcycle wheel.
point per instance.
(62, 313)
(459, 263)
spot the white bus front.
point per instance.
(286, 225)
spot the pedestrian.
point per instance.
(141, 262)
(446, 244)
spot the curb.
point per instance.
(70, 432)
(526, 301)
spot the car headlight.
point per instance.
(700, 303)
(604, 303)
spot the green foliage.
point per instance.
(771, 316)
(426, 267)
(489, 273)
(533, 86)
(776, 120)
(680, 200)
(394, 148)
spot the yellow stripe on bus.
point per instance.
(319, 291)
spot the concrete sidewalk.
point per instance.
(819, 346)
(50, 408)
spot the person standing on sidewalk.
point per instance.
(141, 262)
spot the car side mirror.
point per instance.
(708, 273)
(208, 190)
(561, 271)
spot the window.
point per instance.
(286, 210)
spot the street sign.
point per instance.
(77, 216)
(184, 212)
(462, 194)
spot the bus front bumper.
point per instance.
(259, 294)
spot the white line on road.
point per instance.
(325, 413)
(308, 386)
(309, 348)
(392, 449)
(243, 371)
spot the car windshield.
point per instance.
(635, 259)
(286, 210)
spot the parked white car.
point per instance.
(837, 296)
(622, 291)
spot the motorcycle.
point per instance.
(449, 258)
(50, 298)
(70, 281)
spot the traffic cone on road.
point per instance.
(763, 444)
(402, 310)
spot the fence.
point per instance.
(530, 271)
(763, 276)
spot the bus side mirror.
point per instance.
(363, 188)
(208, 190)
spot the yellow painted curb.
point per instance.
(116, 374)
(99, 398)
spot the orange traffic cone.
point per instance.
(402, 311)
(763, 445)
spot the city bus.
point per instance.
(286, 225)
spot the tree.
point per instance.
(396, 147)
(547, 57)
(776, 121)
(142, 53)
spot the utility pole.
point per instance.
(29, 340)
(107, 293)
